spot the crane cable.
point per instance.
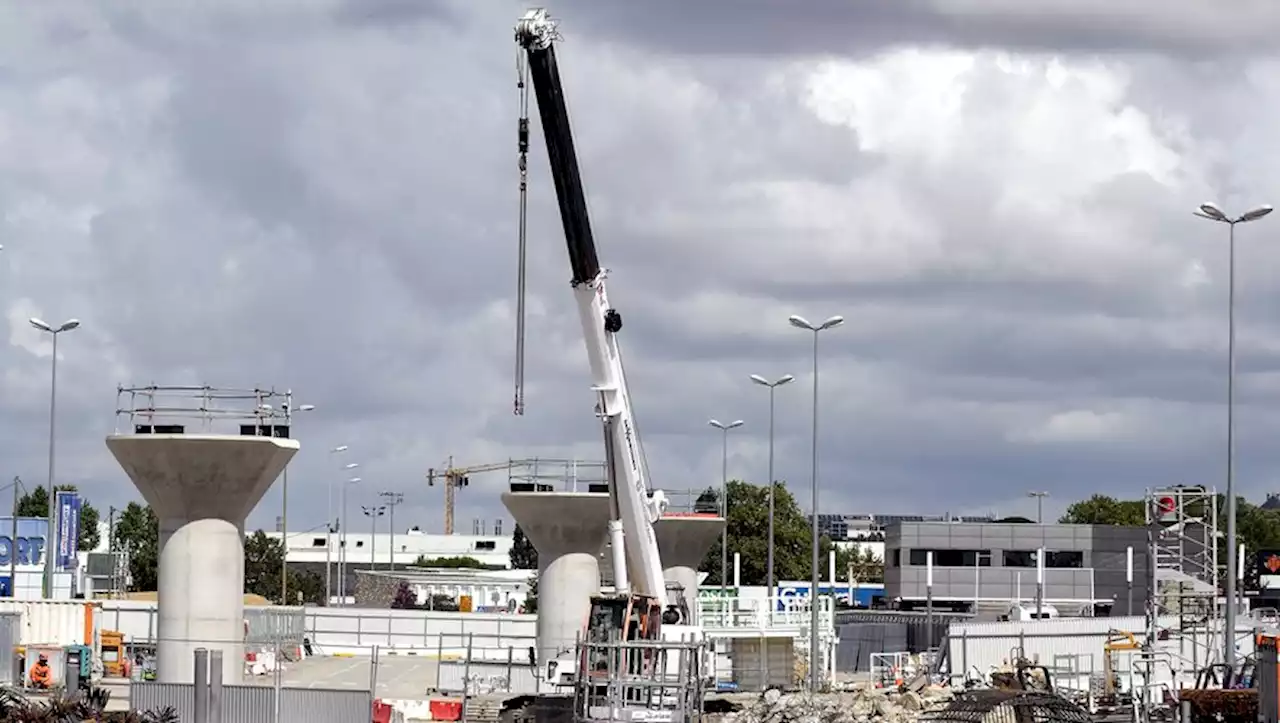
(522, 88)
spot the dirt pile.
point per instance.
(861, 706)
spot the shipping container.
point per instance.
(56, 622)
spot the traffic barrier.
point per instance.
(446, 709)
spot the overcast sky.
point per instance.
(321, 195)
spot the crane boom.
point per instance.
(635, 509)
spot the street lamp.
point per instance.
(724, 494)
(373, 513)
(772, 385)
(329, 526)
(1039, 495)
(801, 323)
(342, 536)
(1212, 212)
(68, 325)
(288, 411)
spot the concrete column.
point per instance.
(683, 542)
(202, 487)
(568, 531)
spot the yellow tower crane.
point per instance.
(456, 477)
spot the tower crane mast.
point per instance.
(454, 478)
(638, 573)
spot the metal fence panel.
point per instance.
(256, 703)
(271, 625)
(486, 678)
(859, 641)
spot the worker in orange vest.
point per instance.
(42, 674)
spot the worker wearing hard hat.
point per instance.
(41, 673)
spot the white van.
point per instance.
(1022, 611)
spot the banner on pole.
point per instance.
(68, 530)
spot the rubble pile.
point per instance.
(859, 706)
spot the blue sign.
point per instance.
(864, 594)
(68, 518)
(31, 545)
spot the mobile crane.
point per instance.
(639, 607)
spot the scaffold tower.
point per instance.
(1182, 531)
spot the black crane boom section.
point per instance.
(554, 114)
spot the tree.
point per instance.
(1105, 510)
(748, 535)
(866, 565)
(35, 503)
(137, 534)
(405, 599)
(524, 556)
(531, 596)
(263, 561)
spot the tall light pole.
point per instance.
(801, 323)
(373, 513)
(1039, 495)
(724, 493)
(342, 538)
(772, 385)
(1212, 212)
(393, 499)
(289, 411)
(330, 524)
(54, 331)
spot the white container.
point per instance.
(55, 622)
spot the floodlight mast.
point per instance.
(631, 530)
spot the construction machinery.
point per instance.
(628, 665)
(455, 477)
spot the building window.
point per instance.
(952, 558)
(1073, 559)
(485, 544)
(1019, 558)
(897, 559)
(1069, 559)
(318, 542)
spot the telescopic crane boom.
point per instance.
(638, 575)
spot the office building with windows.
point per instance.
(990, 565)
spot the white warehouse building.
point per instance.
(367, 550)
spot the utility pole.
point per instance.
(111, 544)
(13, 540)
(393, 499)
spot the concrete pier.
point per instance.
(568, 531)
(683, 542)
(202, 487)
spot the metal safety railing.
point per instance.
(154, 405)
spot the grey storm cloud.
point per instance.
(322, 196)
(854, 27)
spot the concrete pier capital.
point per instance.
(201, 487)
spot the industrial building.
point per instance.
(988, 565)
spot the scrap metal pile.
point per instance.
(861, 706)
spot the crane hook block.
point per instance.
(612, 321)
